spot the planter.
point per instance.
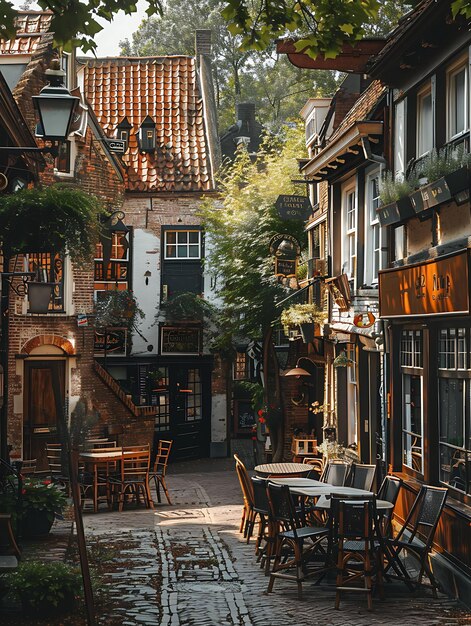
(395, 211)
(442, 190)
(36, 523)
(39, 297)
(307, 332)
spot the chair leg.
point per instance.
(164, 487)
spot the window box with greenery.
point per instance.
(304, 317)
(187, 307)
(395, 201)
(445, 175)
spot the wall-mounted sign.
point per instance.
(294, 207)
(116, 145)
(340, 289)
(180, 339)
(286, 268)
(430, 288)
(82, 319)
(285, 246)
(364, 320)
(111, 342)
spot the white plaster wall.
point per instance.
(146, 255)
(210, 286)
(218, 418)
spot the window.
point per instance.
(350, 226)
(373, 230)
(425, 126)
(457, 103)
(63, 157)
(241, 366)
(182, 244)
(50, 266)
(116, 275)
(400, 243)
(399, 140)
(412, 394)
(454, 408)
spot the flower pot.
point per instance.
(307, 332)
(395, 211)
(39, 297)
(36, 523)
(442, 190)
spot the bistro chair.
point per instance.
(335, 473)
(159, 469)
(388, 491)
(301, 541)
(133, 478)
(363, 476)
(354, 535)
(248, 514)
(58, 474)
(416, 536)
(266, 529)
(317, 466)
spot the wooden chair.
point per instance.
(159, 469)
(133, 478)
(317, 465)
(58, 471)
(248, 513)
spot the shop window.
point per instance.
(454, 408)
(425, 122)
(412, 394)
(457, 99)
(50, 266)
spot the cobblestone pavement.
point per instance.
(209, 574)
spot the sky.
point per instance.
(120, 28)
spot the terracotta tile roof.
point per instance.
(361, 109)
(32, 26)
(166, 89)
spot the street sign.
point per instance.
(293, 207)
(116, 145)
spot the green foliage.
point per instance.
(462, 7)
(83, 419)
(38, 495)
(55, 218)
(438, 164)
(117, 307)
(239, 226)
(254, 391)
(188, 306)
(392, 189)
(45, 584)
(74, 23)
(298, 314)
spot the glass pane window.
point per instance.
(424, 123)
(182, 244)
(50, 266)
(458, 101)
(452, 349)
(412, 428)
(411, 348)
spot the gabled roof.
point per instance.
(32, 27)
(165, 89)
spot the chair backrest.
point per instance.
(389, 489)
(135, 465)
(260, 497)
(335, 473)
(363, 476)
(317, 465)
(161, 459)
(282, 508)
(55, 459)
(245, 482)
(424, 515)
(353, 518)
(28, 466)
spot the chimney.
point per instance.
(203, 42)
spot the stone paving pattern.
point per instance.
(209, 574)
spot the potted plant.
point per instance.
(395, 201)
(58, 217)
(117, 307)
(46, 588)
(444, 174)
(302, 316)
(41, 501)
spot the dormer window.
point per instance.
(146, 135)
(123, 130)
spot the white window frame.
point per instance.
(400, 139)
(176, 245)
(372, 225)
(350, 231)
(462, 64)
(422, 137)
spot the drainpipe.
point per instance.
(369, 156)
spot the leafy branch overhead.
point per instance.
(74, 23)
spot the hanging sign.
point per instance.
(293, 207)
(286, 268)
(285, 246)
(364, 320)
(116, 145)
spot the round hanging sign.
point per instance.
(364, 320)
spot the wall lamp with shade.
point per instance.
(297, 371)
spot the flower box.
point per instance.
(442, 190)
(395, 211)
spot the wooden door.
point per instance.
(43, 407)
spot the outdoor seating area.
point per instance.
(338, 532)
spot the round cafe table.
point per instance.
(283, 469)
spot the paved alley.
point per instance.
(209, 576)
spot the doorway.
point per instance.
(44, 400)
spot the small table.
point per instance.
(282, 469)
(381, 505)
(96, 458)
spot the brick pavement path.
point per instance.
(209, 575)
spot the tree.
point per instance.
(239, 226)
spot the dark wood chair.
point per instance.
(335, 473)
(248, 514)
(388, 491)
(267, 529)
(133, 479)
(159, 469)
